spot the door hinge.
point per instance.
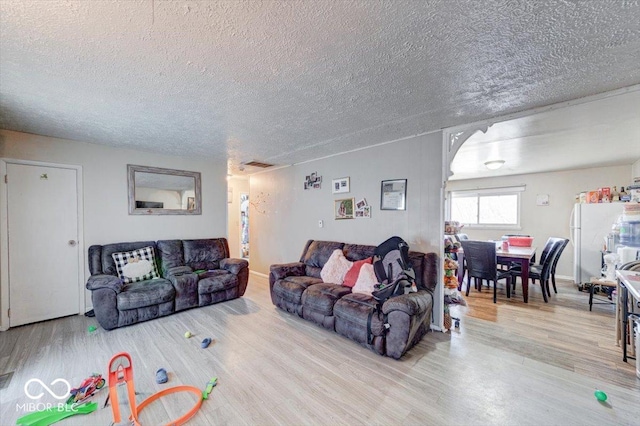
(9, 312)
(6, 178)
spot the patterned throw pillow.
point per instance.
(136, 265)
(336, 268)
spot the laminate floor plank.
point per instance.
(509, 363)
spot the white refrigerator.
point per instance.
(589, 225)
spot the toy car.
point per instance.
(86, 390)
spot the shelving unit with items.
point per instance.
(452, 296)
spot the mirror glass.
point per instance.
(153, 190)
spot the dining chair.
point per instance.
(545, 252)
(459, 238)
(542, 272)
(508, 264)
(554, 264)
(482, 265)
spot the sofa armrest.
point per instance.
(105, 281)
(284, 270)
(294, 269)
(240, 268)
(410, 303)
(409, 318)
(233, 265)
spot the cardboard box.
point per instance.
(592, 197)
(605, 196)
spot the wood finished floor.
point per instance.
(510, 363)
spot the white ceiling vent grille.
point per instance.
(259, 164)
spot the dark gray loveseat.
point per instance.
(117, 304)
(297, 288)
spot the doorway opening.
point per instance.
(244, 226)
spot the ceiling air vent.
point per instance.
(257, 164)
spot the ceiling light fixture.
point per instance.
(494, 164)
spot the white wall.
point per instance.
(283, 215)
(237, 185)
(542, 222)
(106, 218)
(635, 170)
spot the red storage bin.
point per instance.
(520, 241)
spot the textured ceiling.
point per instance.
(597, 133)
(289, 81)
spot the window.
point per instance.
(490, 208)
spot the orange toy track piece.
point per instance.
(121, 371)
(182, 420)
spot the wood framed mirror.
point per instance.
(158, 191)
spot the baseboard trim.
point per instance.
(564, 277)
(258, 274)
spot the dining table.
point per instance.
(514, 254)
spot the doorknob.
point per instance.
(72, 243)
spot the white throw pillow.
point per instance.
(336, 268)
(366, 280)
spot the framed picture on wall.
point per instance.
(393, 194)
(344, 208)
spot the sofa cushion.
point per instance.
(223, 280)
(318, 252)
(355, 309)
(213, 273)
(204, 254)
(145, 293)
(366, 280)
(171, 255)
(352, 274)
(355, 252)
(313, 271)
(136, 265)
(291, 288)
(304, 280)
(322, 297)
(336, 268)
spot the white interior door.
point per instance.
(43, 243)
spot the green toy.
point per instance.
(55, 414)
(212, 383)
(92, 328)
(600, 396)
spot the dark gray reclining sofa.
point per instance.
(117, 304)
(297, 288)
